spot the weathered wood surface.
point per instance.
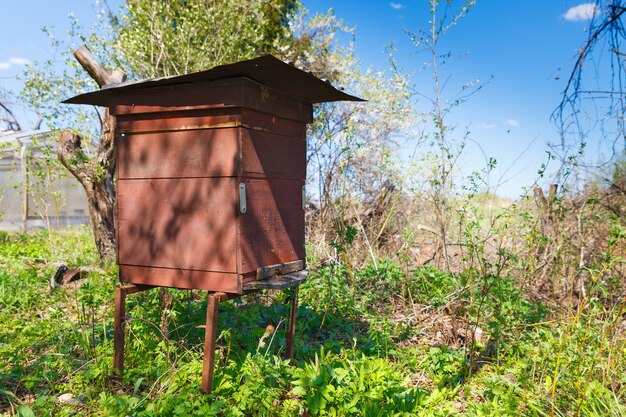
(118, 323)
(222, 152)
(185, 223)
(226, 93)
(272, 230)
(180, 154)
(182, 278)
(266, 272)
(278, 282)
(291, 321)
(267, 155)
(210, 119)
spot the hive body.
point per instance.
(185, 154)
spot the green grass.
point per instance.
(363, 348)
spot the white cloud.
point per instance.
(396, 6)
(511, 122)
(18, 61)
(486, 125)
(14, 60)
(583, 11)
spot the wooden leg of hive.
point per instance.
(291, 324)
(118, 331)
(208, 364)
(119, 322)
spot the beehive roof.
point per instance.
(266, 70)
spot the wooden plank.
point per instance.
(211, 95)
(278, 282)
(179, 154)
(210, 119)
(179, 120)
(182, 278)
(185, 223)
(210, 153)
(227, 93)
(279, 269)
(272, 230)
(268, 100)
(272, 123)
(135, 288)
(269, 155)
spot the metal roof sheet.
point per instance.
(266, 70)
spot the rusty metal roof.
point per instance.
(266, 70)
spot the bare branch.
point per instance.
(584, 52)
(11, 120)
(72, 157)
(86, 59)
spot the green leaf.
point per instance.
(137, 386)
(25, 411)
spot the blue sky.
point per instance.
(527, 48)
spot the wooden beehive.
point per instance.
(211, 170)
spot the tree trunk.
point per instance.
(98, 185)
(545, 206)
(96, 174)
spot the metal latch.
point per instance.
(242, 198)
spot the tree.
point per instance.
(595, 104)
(95, 173)
(154, 39)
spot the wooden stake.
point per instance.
(118, 323)
(118, 331)
(208, 364)
(291, 324)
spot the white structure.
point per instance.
(34, 194)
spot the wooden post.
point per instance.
(118, 331)
(208, 364)
(24, 161)
(291, 324)
(118, 323)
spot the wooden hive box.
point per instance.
(211, 170)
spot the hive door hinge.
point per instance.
(242, 198)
